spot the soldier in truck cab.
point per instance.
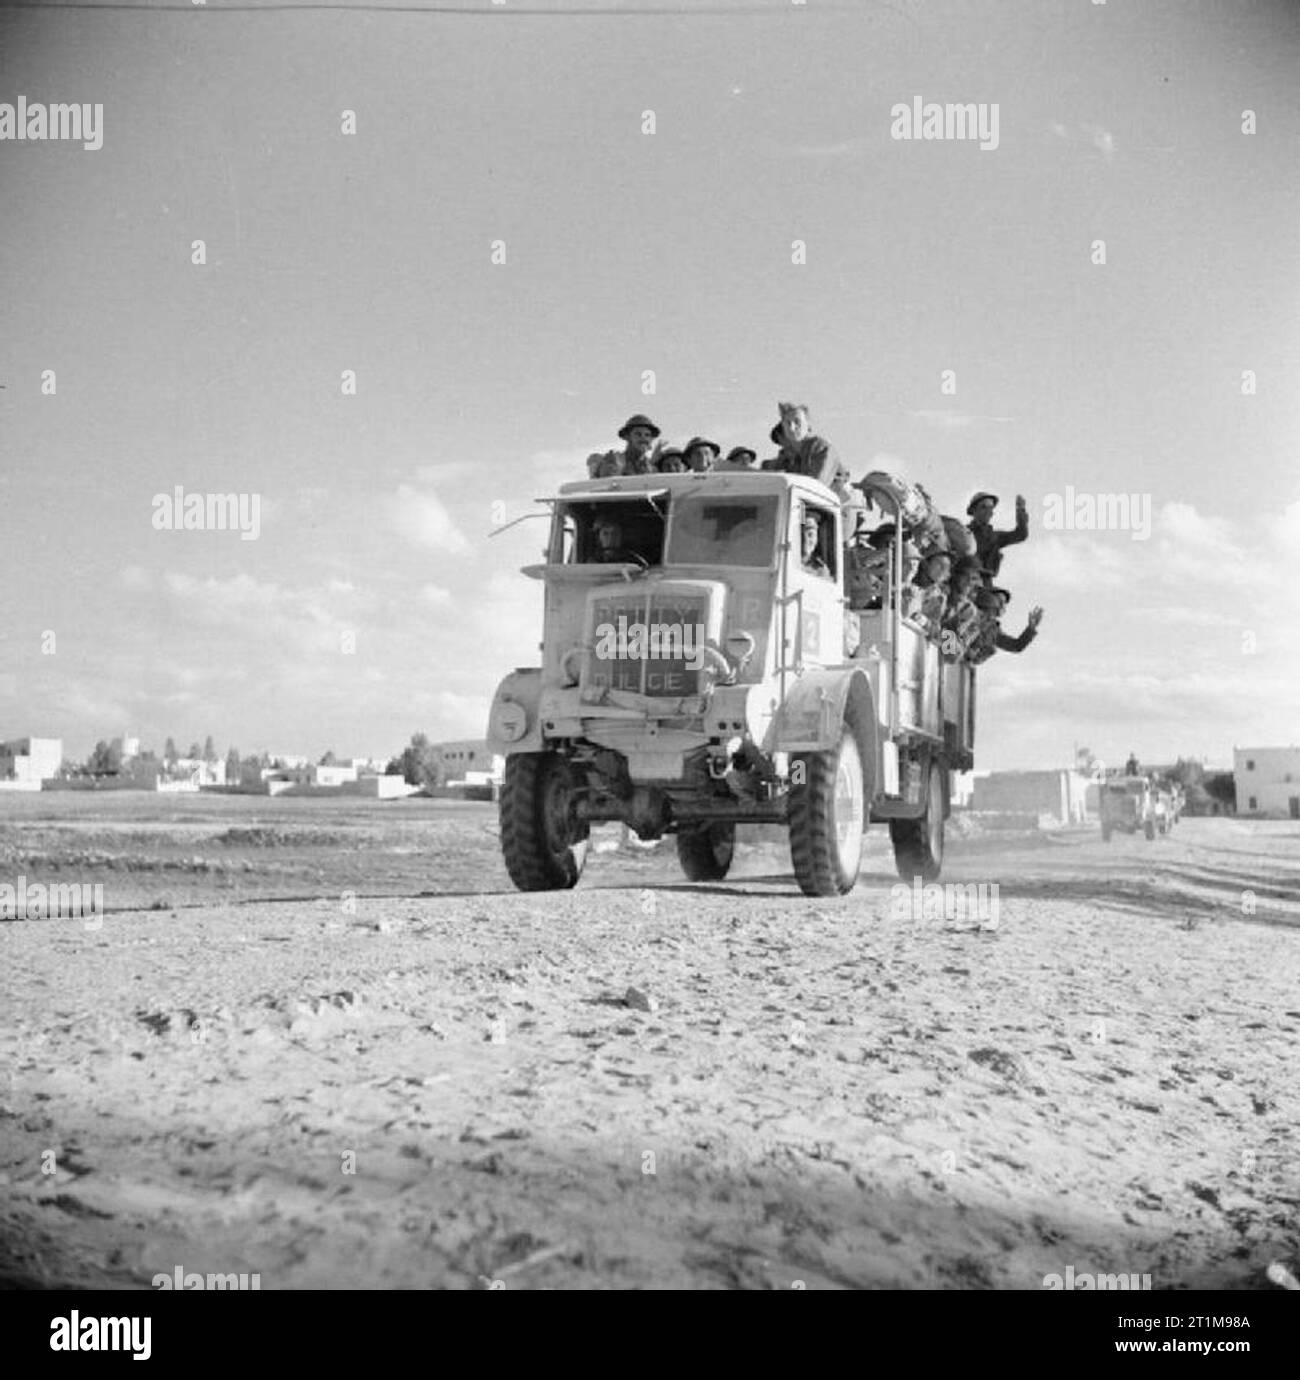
(812, 532)
(637, 456)
(610, 548)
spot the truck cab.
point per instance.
(1130, 803)
(701, 667)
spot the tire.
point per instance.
(918, 843)
(544, 846)
(826, 817)
(1149, 829)
(705, 851)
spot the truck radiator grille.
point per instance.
(646, 644)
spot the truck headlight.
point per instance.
(510, 721)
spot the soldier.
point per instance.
(961, 622)
(992, 603)
(701, 455)
(811, 538)
(609, 544)
(932, 580)
(738, 458)
(1131, 766)
(803, 453)
(638, 455)
(672, 461)
(988, 541)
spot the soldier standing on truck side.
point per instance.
(988, 540)
(992, 603)
(932, 580)
(638, 455)
(701, 455)
(961, 623)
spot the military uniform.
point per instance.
(989, 541)
(738, 458)
(694, 462)
(611, 463)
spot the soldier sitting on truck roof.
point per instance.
(638, 456)
(738, 458)
(801, 452)
(992, 603)
(701, 455)
(989, 541)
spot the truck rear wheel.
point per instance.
(544, 844)
(705, 850)
(918, 843)
(826, 816)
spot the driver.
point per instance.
(811, 539)
(609, 544)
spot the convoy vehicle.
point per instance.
(702, 669)
(1130, 803)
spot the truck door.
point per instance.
(815, 615)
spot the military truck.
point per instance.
(701, 669)
(1130, 803)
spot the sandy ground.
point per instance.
(445, 1091)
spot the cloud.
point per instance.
(435, 594)
(842, 148)
(954, 421)
(421, 517)
(135, 578)
(1094, 135)
(1079, 561)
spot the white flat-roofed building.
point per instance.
(1267, 781)
(468, 760)
(26, 762)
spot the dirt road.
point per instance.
(449, 1091)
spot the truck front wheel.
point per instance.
(826, 814)
(918, 843)
(705, 850)
(544, 844)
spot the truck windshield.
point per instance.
(723, 531)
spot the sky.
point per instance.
(376, 601)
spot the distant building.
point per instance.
(26, 762)
(128, 748)
(1055, 796)
(467, 761)
(198, 772)
(334, 775)
(1267, 781)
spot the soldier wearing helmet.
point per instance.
(638, 456)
